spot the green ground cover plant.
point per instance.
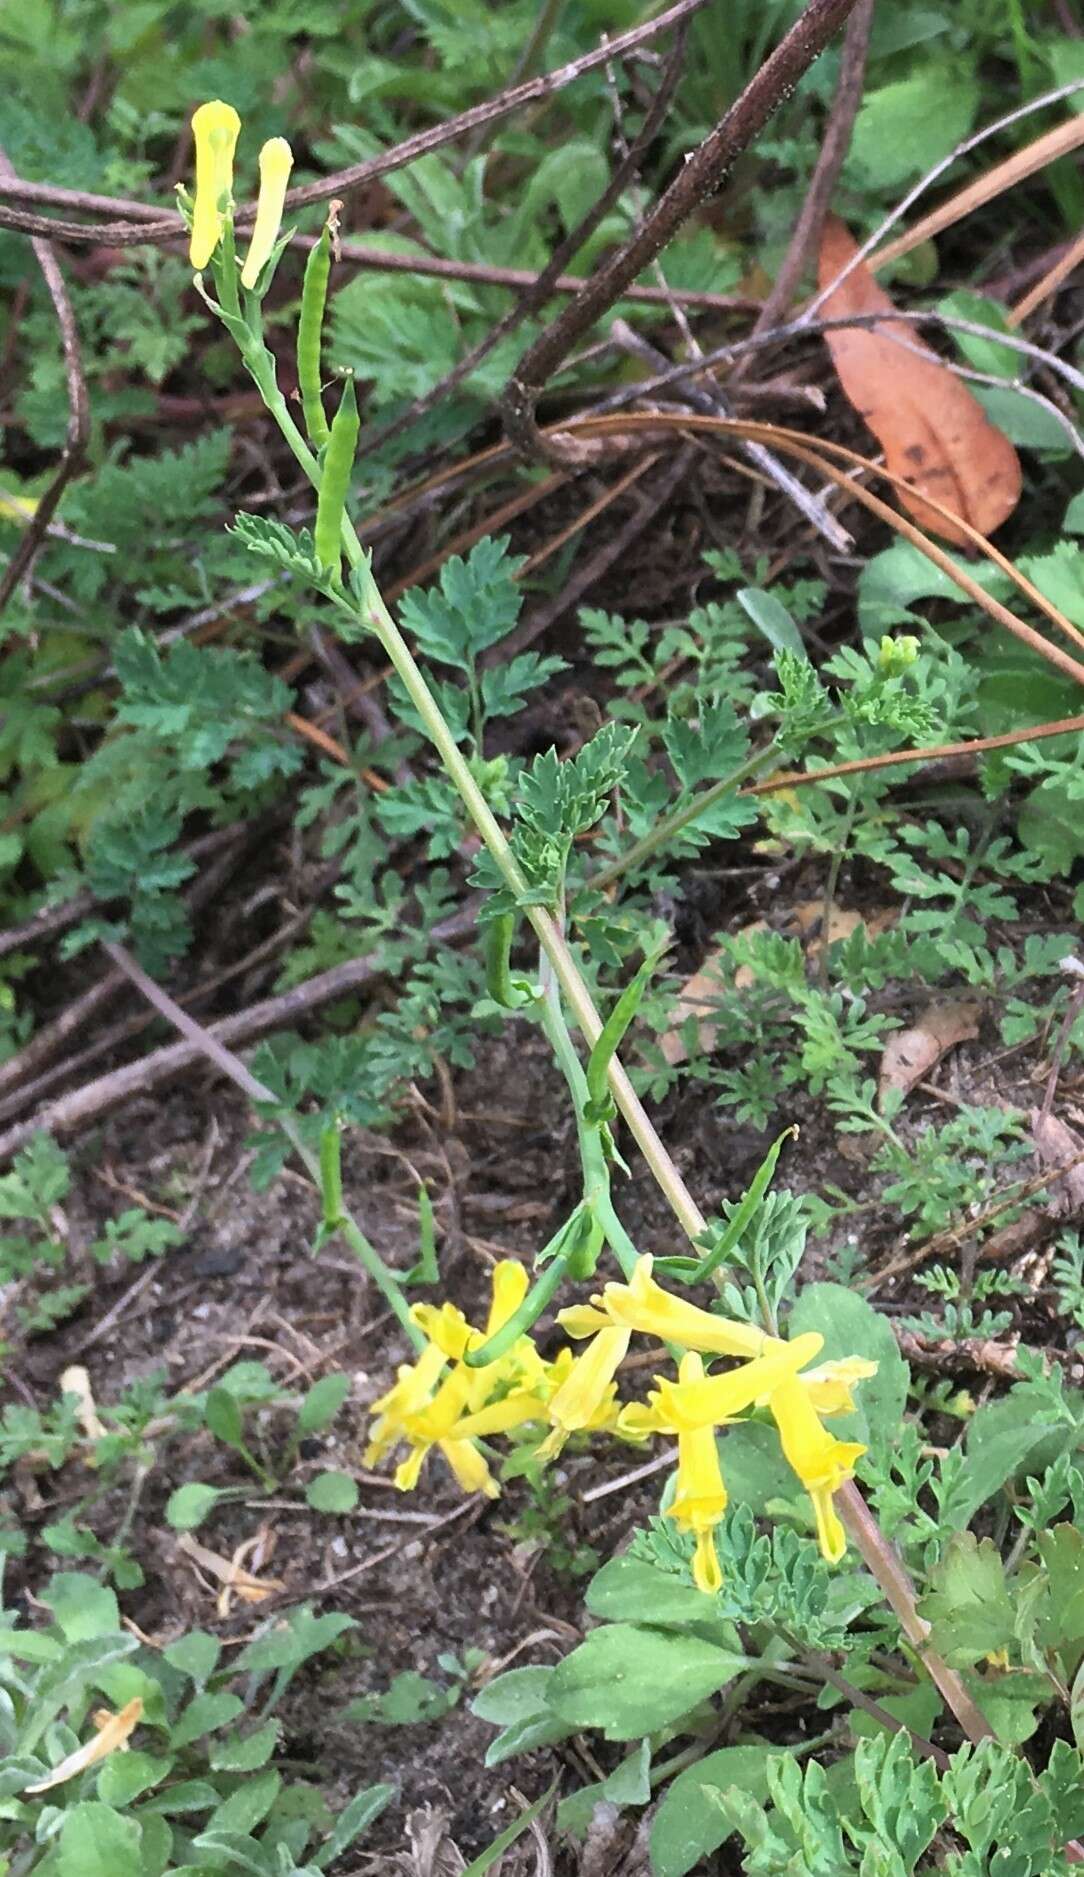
(905, 1581)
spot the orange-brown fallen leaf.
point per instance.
(934, 434)
(910, 1054)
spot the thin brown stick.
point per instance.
(434, 267)
(83, 1105)
(933, 752)
(490, 523)
(825, 459)
(955, 1235)
(710, 397)
(818, 197)
(900, 209)
(801, 327)
(1049, 283)
(700, 176)
(223, 850)
(1036, 155)
(608, 552)
(44, 923)
(899, 1592)
(78, 413)
(150, 225)
(540, 289)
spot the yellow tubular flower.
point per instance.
(276, 162)
(468, 1404)
(700, 1495)
(215, 127)
(830, 1386)
(469, 1468)
(583, 1319)
(510, 1284)
(445, 1326)
(696, 1400)
(436, 1425)
(821, 1462)
(641, 1304)
(413, 1388)
(500, 1417)
(586, 1388)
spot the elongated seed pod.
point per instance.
(335, 469)
(310, 328)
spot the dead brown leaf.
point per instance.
(934, 433)
(111, 1736)
(1056, 1145)
(704, 991)
(698, 997)
(235, 1580)
(910, 1054)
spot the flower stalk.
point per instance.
(456, 1414)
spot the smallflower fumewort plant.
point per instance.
(467, 1387)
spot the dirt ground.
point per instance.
(422, 1575)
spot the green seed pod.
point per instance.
(310, 327)
(335, 480)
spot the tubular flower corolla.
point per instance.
(821, 1462)
(215, 127)
(428, 1408)
(276, 162)
(439, 1401)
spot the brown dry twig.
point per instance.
(540, 289)
(78, 412)
(825, 457)
(150, 224)
(165, 1065)
(818, 198)
(701, 175)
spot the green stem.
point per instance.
(835, 867)
(596, 1171)
(331, 1175)
(381, 1276)
(549, 936)
(665, 829)
(532, 1306)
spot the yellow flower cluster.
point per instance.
(453, 1410)
(215, 129)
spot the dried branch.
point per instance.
(162, 1066)
(837, 138)
(78, 413)
(541, 288)
(148, 224)
(702, 174)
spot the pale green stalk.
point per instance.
(376, 615)
(875, 1549)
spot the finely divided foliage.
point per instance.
(851, 1638)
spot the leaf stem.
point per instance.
(667, 826)
(875, 1549)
